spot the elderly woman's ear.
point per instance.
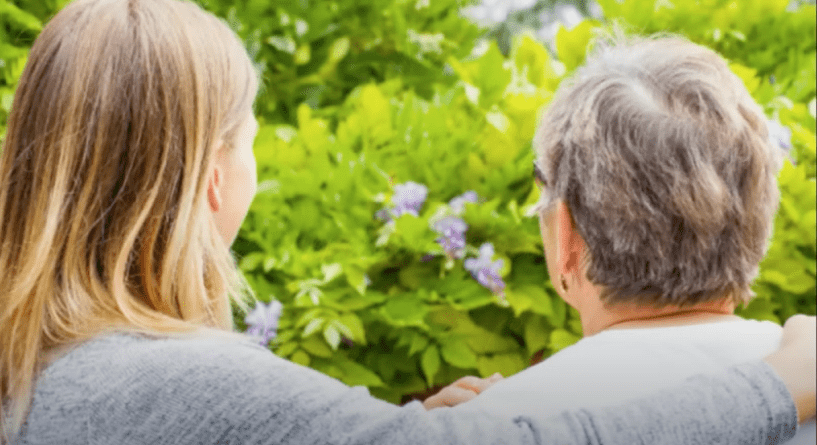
(570, 246)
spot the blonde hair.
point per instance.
(663, 158)
(104, 222)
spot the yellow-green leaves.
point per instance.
(487, 74)
(533, 61)
(430, 363)
(571, 45)
(455, 351)
(372, 105)
(19, 18)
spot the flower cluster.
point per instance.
(452, 227)
(262, 322)
(457, 203)
(485, 270)
(409, 198)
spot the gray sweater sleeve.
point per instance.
(217, 393)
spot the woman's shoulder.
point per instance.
(133, 354)
(134, 384)
(131, 360)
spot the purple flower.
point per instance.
(262, 322)
(486, 271)
(779, 134)
(457, 203)
(408, 198)
(452, 229)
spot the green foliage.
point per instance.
(361, 96)
(316, 52)
(423, 319)
(411, 307)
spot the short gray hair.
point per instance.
(664, 160)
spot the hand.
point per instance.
(460, 391)
(796, 363)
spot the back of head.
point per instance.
(663, 159)
(103, 215)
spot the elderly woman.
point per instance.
(126, 170)
(658, 194)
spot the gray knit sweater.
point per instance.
(126, 389)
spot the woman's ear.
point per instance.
(570, 247)
(214, 184)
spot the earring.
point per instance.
(563, 283)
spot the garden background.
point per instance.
(395, 148)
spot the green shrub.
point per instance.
(317, 52)
(384, 296)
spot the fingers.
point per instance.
(476, 384)
(796, 363)
(461, 391)
(449, 396)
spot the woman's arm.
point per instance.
(794, 363)
(748, 404)
(216, 392)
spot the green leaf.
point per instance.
(332, 336)
(505, 364)
(529, 297)
(536, 334)
(483, 341)
(19, 17)
(354, 374)
(418, 343)
(560, 339)
(316, 347)
(572, 45)
(405, 310)
(283, 43)
(487, 75)
(760, 309)
(430, 364)
(331, 271)
(455, 351)
(312, 327)
(286, 349)
(356, 277)
(342, 329)
(300, 357)
(302, 55)
(339, 49)
(532, 58)
(559, 314)
(251, 261)
(354, 326)
(416, 275)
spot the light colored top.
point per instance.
(129, 390)
(618, 365)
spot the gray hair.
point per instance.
(664, 161)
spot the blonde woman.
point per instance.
(126, 171)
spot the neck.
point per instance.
(602, 318)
